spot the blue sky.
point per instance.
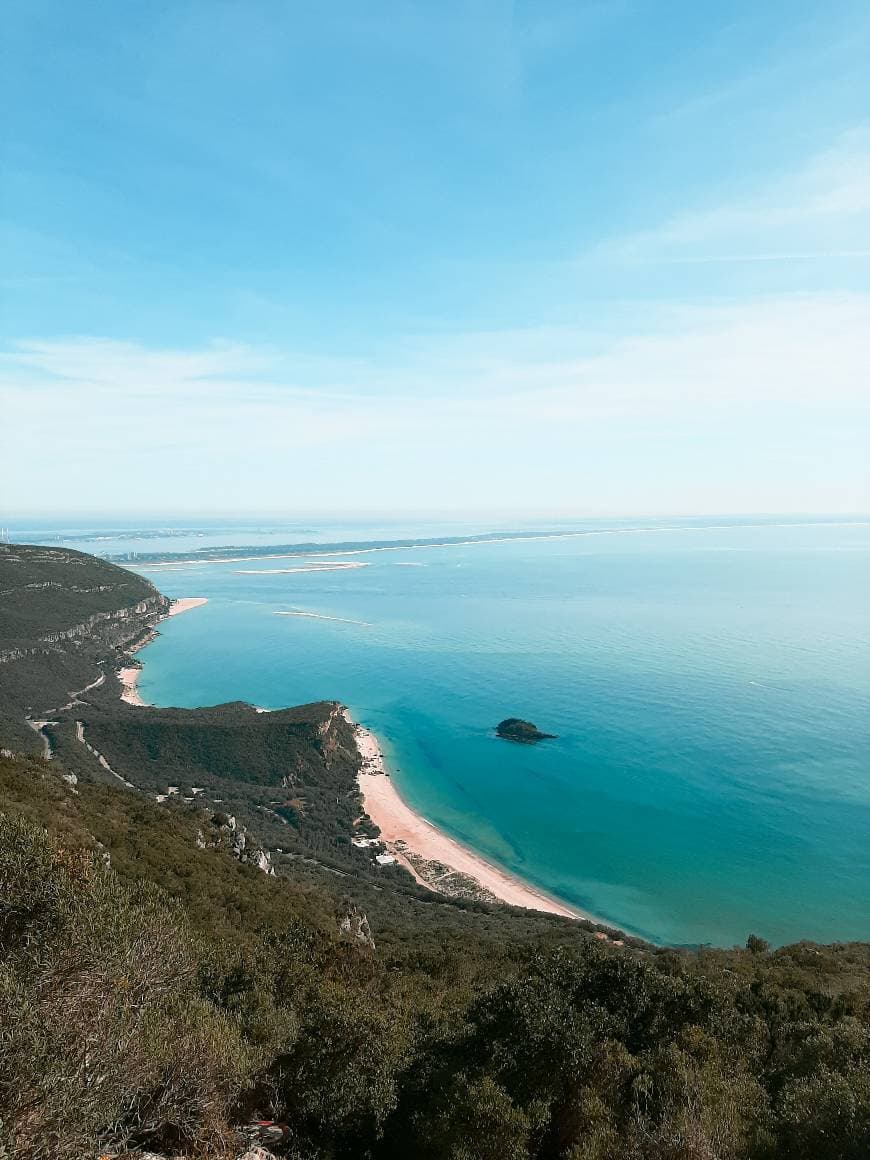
(539, 256)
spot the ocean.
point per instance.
(708, 683)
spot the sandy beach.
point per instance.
(129, 676)
(398, 823)
(129, 693)
(185, 604)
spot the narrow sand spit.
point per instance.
(302, 568)
(320, 616)
(130, 675)
(399, 823)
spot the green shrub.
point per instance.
(104, 1035)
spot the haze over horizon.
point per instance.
(607, 259)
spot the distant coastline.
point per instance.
(313, 549)
(129, 676)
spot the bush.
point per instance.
(104, 1035)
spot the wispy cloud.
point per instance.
(811, 349)
(781, 256)
(130, 367)
(820, 211)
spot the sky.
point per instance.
(592, 258)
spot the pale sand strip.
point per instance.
(399, 823)
(185, 604)
(130, 675)
(128, 678)
(305, 568)
(320, 616)
(472, 542)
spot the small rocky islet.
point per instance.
(516, 729)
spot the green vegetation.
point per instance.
(157, 993)
(165, 999)
(65, 620)
(515, 729)
(48, 590)
(291, 772)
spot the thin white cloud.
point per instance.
(821, 210)
(796, 256)
(514, 417)
(814, 349)
(481, 359)
(132, 366)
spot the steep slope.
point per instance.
(65, 618)
(158, 995)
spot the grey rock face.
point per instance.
(355, 925)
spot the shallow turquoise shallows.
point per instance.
(710, 689)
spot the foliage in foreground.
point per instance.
(101, 1011)
(133, 1019)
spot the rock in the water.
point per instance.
(515, 729)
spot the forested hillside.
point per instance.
(65, 620)
(156, 994)
(161, 988)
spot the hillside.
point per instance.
(159, 991)
(65, 619)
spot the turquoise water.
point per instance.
(710, 691)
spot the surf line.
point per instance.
(320, 616)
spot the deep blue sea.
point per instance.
(710, 688)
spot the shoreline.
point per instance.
(129, 675)
(435, 860)
(405, 832)
(291, 553)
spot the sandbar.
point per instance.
(343, 567)
(321, 616)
